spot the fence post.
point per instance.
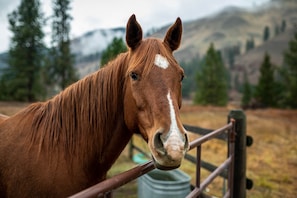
(239, 188)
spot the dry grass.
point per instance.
(271, 160)
(10, 108)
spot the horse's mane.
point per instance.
(75, 117)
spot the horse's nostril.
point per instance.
(158, 143)
(186, 142)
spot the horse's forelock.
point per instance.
(144, 56)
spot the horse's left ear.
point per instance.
(174, 34)
(133, 33)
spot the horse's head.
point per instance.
(153, 93)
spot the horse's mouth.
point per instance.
(162, 167)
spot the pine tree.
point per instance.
(231, 57)
(290, 73)
(276, 30)
(22, 78)
(265, 89)
(229, 54)
(283, 26)
(190, 68)
(212, 80)
(61, 67)
(247, 92)
(250, 44)
(237, 84)
(266, 33)
(116, 47)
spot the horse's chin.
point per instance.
(162, 167)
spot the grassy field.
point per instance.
(271, 160)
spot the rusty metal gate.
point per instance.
(237, 181)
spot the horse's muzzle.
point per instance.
(169, 151)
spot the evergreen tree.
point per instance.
(276, 30)
(61, 68)
(22, 77)
(237, 84)
(212, 80)
(247, 92)
(231, 57)
(233, 51)
(265, 89)
(116, 47)
(247, 45)
(190, 68)
(266, 33)
(250, 44)
(283, 26)
(290, 74)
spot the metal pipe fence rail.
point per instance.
(103, 188)
(242, 141)
(227, 163)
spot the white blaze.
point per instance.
(161, 61)
(174, 137)
(173, 126)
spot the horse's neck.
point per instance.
(84, 118)
(95, 105)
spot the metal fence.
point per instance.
(235, 135)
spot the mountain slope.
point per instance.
(233, 27)
(252, 60)
(95, 41)
(88, 48)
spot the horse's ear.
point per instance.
(174, 34)
(133, 33)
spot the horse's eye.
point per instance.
(134, 76)
(182, 77)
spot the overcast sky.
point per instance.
(96, 14)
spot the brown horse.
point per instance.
(59, 147)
